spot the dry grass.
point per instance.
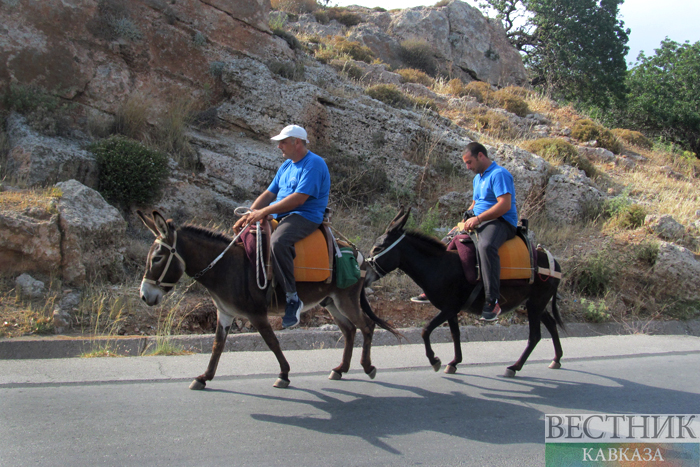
(41, 198)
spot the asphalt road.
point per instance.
(139, 411)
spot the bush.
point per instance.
(44, 111)
(289, 70)
(647, 252)
(411, 75)
(586, 130)
(511, 102)
(456, 87)
(557, 151)
(495, 124)
(479, 90)
(623, 212)
(294, 6)
(343, 16)
(348, 68)
(419, 55)
(389, 94)
(339, 47)
(634, 138)
(288, 37)
(592, 275)
(130, 173)
(353, 180)
(171, 134)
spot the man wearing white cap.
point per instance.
(297, 198)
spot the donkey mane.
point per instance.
(206, 232)
(430, 245)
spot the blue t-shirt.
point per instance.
(309, 176)
(495, 181)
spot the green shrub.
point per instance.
(348, 68)
(511, 102)
(288, 37)
(44, 111)
(389, 94)
(113, 21)
(647, 252)
(130, 173)
(199, 39)
(131, 118)
(595, 313)
(495, 124)
(456, 87)
(216, 69)
(411, 75)
(586, 130)
(343, 16)
(635, 138)
(557, 151)
(171, 134)
(592, 275)
(623, 212)
(418, 54)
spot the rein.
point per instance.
(372, 260)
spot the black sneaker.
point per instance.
(490, 311)
(292, 313)
(422, 298)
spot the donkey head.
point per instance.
(383, 257)
(164, 265)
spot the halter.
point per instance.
(372, 260)
(172, 252)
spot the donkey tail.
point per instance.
(555, 310)
(380, 322)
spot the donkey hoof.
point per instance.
(372, 373)
(335, 375)
(509, 373)
(197, 385)
(450, 369)
(281, 383)
(555, 365)
(437, 365)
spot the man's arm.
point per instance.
(501, 207)
(286, 204)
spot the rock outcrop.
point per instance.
(676, 271)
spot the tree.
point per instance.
(575, 49)
(664, 94)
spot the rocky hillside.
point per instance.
(620, 214)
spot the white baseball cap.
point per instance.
(291, 131)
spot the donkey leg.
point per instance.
(223, 326)
(366, 360)
(348, 329)
(425, 334)
(535, 336)
(551, 326)
(451, 367)
(262, 324)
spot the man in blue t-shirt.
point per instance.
(297, 198)
(494, 219)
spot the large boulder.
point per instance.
(99, 52)
(676, 272)
(529, 171)
(665, 226)
(39, 160)
(570, 195)
(94, 234)
(30, 241)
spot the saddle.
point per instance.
(314, 254)
(518, 258)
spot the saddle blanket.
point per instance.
(311, 263)
(514, 255)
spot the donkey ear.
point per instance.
(148, 222)
(161, 224)
(399, 221)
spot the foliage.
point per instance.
(44, 111)
(341, 15)
(348, 68)
(216, 69)
(295, 6)
(418, 54)
(171, 133)
(290, 70)
(480, 90)
(586, 130)
(113, 21)
(389, 94)
(130, 173)
(131, 118)
(341, 48)
(431, 220)
(635, 138)
(557, 151)
(593, 274)
(199, 39)
(624, 212)
(595, 313)
(664, 99)
(456, 87)
(511, 102)
(495, 124)
(354, 180)
(288, 37)
(575, 49)
(647, 252)
(411, 75)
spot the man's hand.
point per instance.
(242, 222)
(472, 223)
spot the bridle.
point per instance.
(172, 253)
(372, 260)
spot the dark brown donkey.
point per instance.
(439, 273)
(232, 285)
